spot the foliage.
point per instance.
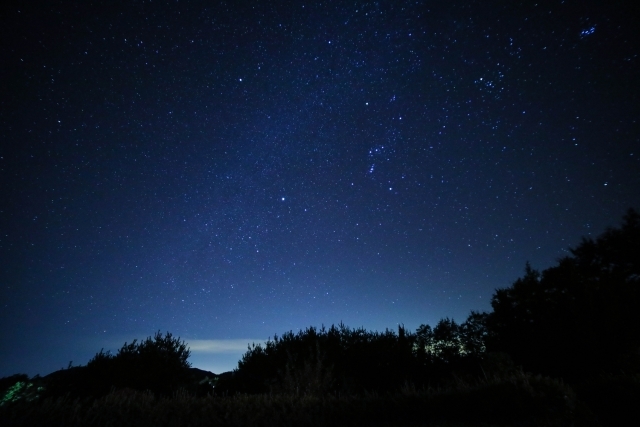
(316, 362)
(19, 387)
(448, 341)
(344, 360)
(578, 318)
(158, 364)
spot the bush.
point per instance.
(335, 360)
(157, 364)
(19, 387)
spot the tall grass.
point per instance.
(518, 399)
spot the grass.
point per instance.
(519, 399)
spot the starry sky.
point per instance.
(231, 170)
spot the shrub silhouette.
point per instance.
(157, 364)
(316, 362)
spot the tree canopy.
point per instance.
(158, 364)
(579, 317)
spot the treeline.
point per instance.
(576, 322)
(341, 360)
(158, 364)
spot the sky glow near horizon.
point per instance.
(223, 171)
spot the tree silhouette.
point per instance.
(473, 334)
(449, 341)
(577, 318)
(158, 364)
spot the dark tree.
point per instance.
(577, 318)
(158, 364)
(449, 341)
(473, 334)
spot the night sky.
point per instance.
(228, 171)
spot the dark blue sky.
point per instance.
(227, 171)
